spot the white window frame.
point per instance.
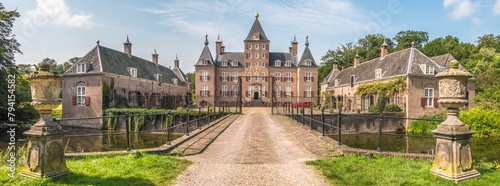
(378, 73)
(263, 55)
(288, 91)
(133, 72)
(204, 75)
(429, 69)
(277, 77)
(308, 62)
(277, 63)
(263, 91)
(256, 76)
(256, 46)
(249, 91)
(80, 95)
(256, 55)
(288, 64)
(175, 80)
(81, 68)
(277, 91)
(224, 63)
(429, 97)
(263, 76)
(235, 76)
(204, 90)
(224, 90)
(249, 46)
(234, 63)
(263, 46)
(308, 91)
(224, 76)
(336, 82)
(288, 77)
(159, 78)
(308, 76)
(234, 91)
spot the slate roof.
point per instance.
(257, 28)
(330, 77)
(103, 59)
(307, 55)
(205, 55)
(283, 57)
(230, 57)
(404, 62)
(444, 61)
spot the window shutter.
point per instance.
(74, 100)
(291, 79)
(312, 79)
(220, 77)
(230, 78)
(436, 102)
(291, 93)
(208, 78)
(201, 92)
(422, 102)
(246, 92)
(281, 78)
(304, 78)
(220, 92)
(265, 94)
(265, 78)
(87, 100)
(312, 93)
(304, 93)
(200, 78)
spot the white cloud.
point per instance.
(58, 12)
(477, 21)
(496, 8)
(460, 8)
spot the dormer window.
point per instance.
(277, 63)
(133, 72)
(336, 82)
(352, 81)
(81, 68)
(288, 64)
(256, 36)
(224, 63)
(308, 62)
(175, 81)
(429, 69)
(158, 78)
(205, 62)
(234, 63)
(378, 73)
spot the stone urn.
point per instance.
(453, 158)
(45, 146)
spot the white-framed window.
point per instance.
(308, 91)
(429, 69)
(277, 77)
(133, 72)
(249, 46)
(429, 97)
(264, 46)
(204, 90)
(205, 62)
(263, 56)
(158, 78)
(308, 77)
(175, 80)
(235, 76)
(234, 91)
(263, 91)
(256, 64)
(336, 82)
(224, 90)
(80, 95)
(234, 63)
(256, 46)
(378, 73)
(256, 76)
(308, 62)
(277, 63)
(288, 91)
(277, 91)
(249, 91)
(263, 76)
(224, 76)
(288, 77)
(204, 76)
(81, 68)
(288, 63)
(256, 55)
(224, 63)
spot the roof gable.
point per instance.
(307, 56)
(205, 55)
(257, 29)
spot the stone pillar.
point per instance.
(453, 158)
(45, 147)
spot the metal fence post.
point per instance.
(323, 122)
(311, 118)
(187, 123)
(303, 111)
(127, 128)
(169, 125)
(379, 131)
(297, 111)
(199, 118)
(339, 126)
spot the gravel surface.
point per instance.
(255, 150)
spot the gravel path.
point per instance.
(255, 150)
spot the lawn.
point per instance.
(358, 170)
(131, 169)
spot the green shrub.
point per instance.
(485, 122)
(392, 108)
(372, 108)
(57, 112)
(26, 112)
(424, 126)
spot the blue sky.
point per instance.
(62, 29)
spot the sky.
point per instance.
(62, 29)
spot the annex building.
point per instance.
(256, 76)
(107, 78)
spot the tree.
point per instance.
(68, 64)
(487, 72)
(192, 80)
(449, 44)
(369, 46)
(404, 39)
(489, 41)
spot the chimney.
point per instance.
(155, 58)
(384, 49)
(218, 46)
(335, 66)
(176, 62)
(223, 48)
(294, 47)
(127, 47)
(356, 59)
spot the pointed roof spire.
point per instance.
(256, 32)
(294, 39)
(155, 51)
(127, 42)
(357, 56)
(218, 38)
(385, 45)
(307, 40)
(413, 44)
(206, 38)
(176, 58)
(97, 42)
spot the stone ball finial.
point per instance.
(454, 64)
(257, 15)
(44, 66)
(98, 42)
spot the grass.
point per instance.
(131, 169)
(357, 170)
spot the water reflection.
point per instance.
(482, 148)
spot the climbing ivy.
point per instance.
(396, 85)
